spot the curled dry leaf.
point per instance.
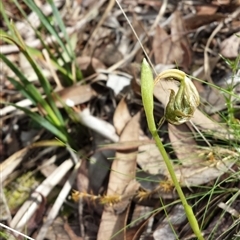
(175, 48)
(122, 174)
(180, 40)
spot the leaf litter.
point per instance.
(122, 176)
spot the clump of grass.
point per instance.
(49, 116)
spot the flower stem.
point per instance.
(147, 86)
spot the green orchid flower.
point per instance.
(181, 106)
(179, 109)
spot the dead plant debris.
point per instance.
(122, 189)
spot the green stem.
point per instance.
(147, 97)
(188, 210)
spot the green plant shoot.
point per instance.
(180, 108)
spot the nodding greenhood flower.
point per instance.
(181, 106)
(180, 109)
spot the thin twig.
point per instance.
(15, 231)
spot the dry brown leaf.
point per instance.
(150, 159)
(162, 47)
(206, 9)
(84, 62)
(230, 47)
(121, 116)
(209, 169)
(127, 195)
(133, 231)
(180, 41)
(213, 100)
(183, 143)
(76, 94)
(123, 172)
(140, 218)
(108, 54)
(165, 228)
(82, 177)
(175, 48)
(195, 21)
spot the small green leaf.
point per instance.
(147, 86)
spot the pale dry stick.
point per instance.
(81, 217)
(15, 231)
(206, 49)
(229, 209)
(29, 207)
(160, 14)
(58, 203)
(103, 18)
(98, 125)
(4, 204)
(23, 103)
(52, 70)
(8, 166)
